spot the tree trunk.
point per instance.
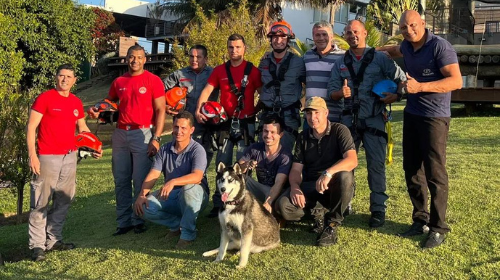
(20, 198)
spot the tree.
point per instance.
(264, 11)
(385, 13)
(36, 36)
(212, 30)
(105, 32)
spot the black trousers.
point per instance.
(335, 199)
(424, 163)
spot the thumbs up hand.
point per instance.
(412, 85)
(346, 90)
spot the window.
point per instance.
(342, 13)
(321, 14)
(492, 26)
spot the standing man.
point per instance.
(319, 62)
(237, 80)
(54, 115)
(433, 72)
(185, 190)
(272, 162)
(352, 79)
(142, 107)
(282, 76)
(194, 78)
(322, 167)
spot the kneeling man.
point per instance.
(323, 160)
(185, 191)
(272, 162)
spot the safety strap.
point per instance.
(357, 78)
(240, 94)
(277, 79)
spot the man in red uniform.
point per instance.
(142, 106)
(55, 114)
(237, 97)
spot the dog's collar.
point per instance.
(234, 202)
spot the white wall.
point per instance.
(130, 7)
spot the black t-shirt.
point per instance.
(319, 154)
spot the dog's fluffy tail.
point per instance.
(211, 252)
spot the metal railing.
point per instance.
(455, 21)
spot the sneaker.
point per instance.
(213, 213)
(182, 243)
(377, 219)
(417, 228)
(38, 255)
(317, 226)
(60, 246)
(328, 236)
(318, 213)
(434, 239)
(140, 228)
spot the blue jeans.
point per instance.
(179, 211)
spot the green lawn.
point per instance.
(471, 251)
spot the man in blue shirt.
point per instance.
(433, 72)
(185, 191)
(272, 162)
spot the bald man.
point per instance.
(432, 72)
(363, 112)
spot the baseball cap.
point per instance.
(315, 103)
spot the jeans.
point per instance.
(335, 199)
(179, 211)
(424, 163)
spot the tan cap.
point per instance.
(315, 103)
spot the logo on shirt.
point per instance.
(343, 67)
(122, 89)
(427, 72)
(75, 112)
(142, 90)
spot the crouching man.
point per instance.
(271, 160)
(323, 160)
(185, 191)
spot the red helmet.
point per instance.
(176, 98)
(214, 112)
(87, 141)
(281, 28)
(108, 111)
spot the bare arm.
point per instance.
(393, 51)
(452, 81)
(295, 178)
(191, 178)
(147, 185)
(347, 163)
(277, 187)
(159, 107)
(82, 125)
(205, 94)
(34, 120)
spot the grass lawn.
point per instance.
(471, 251)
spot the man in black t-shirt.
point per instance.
(324, 157)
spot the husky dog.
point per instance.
(245, 224)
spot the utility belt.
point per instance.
(235, 130)
(362, 128)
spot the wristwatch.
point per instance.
(156, 138)
(327, 174)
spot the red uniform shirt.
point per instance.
(136, 95)
(56, 132)
(228, 100)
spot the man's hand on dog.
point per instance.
(165, 191)
(142, 199)
(298, 198)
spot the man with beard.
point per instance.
(282, 76)
(238, 80)
(352, 79)
(271, 160)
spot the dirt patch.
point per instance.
(8, 219)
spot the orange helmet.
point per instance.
(106, 105)
(87, 143)
(108, 111)
(176, 98)
(281, 28)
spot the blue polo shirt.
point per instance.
(424, 65)
(177, 165)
